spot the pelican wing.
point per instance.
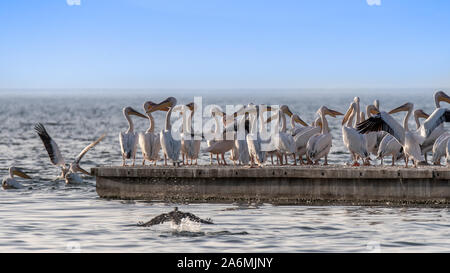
(157, 220)
(439, 116)
(194, 218)
(90, 146)
(383, 122)
(50, 145)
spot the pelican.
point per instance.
(440, 148)
(389, 145)
(149, 141)
(171, 147)
(219, 145)
(240, 143)
(175, 217)
(257, 146)
(283, 141)
(408, 139)
(319, 145)
(129, 139)
(373, 139)
(190, 146)
(69, 171)
(301, 139)
(439, 115)
(10, 182)
(355, 142)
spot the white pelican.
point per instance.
(171, 147)
(301, 139)
(282, 140)
(440, 148)
(408, 139)
(10, 182)
(389, 145)
(240, 143)
(149, 141)
(257, 146)
(439, 116)
(69, 171)
(297, 129)
(219, 145)
(129, 139)
(190, 146)
(373, 139)
(319, 145)
(355, 142)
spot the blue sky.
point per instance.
(225, 44)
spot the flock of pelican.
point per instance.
(373, 132)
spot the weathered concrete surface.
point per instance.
(277, 185)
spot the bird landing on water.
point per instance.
(175, 217)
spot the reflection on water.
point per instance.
(47, 215)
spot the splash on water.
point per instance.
(186, 225)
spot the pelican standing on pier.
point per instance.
(171, 147)
(149, 141)
(69, 171)
(355, 142)
(190, 144)
(129, 139)
(319, 145)
(439, 116)
(409, 140)
(10, 182)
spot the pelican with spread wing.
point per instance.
(69, 171)
(175, 217)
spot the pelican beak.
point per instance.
(287, 111)
(300, 121)
(404, 107)
(348, 114)
(83, 171)
(270, 118)
(374, 111)
(443, 97)
(20, 173)
(136, 113)
(421, 114)
(163, 106)
(333, 113)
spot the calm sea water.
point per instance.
(48, 216)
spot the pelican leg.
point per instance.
(218, 161)
(326, 161)
(426, 159)
(393, 160)
(134, 159)
(295, 159)
(196, 161)
(300, 158)
(210, 159)
(285, 159)
(406, 161)
(223, 158)
(271, 158)
(143, 162)
(165, 160)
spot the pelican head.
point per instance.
(372, 109)
(192, 106)
(19, 172)
(441, 96)
(285, 109)
(349, 112)
(405, 107)
(165, 105)
(356, 99)
(130, 111)
(148, 105)
(419, 113)
(326, 111)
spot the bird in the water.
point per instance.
(10, 182)
(175, 216)
(69, 172)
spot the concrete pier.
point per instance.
(277, 184)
